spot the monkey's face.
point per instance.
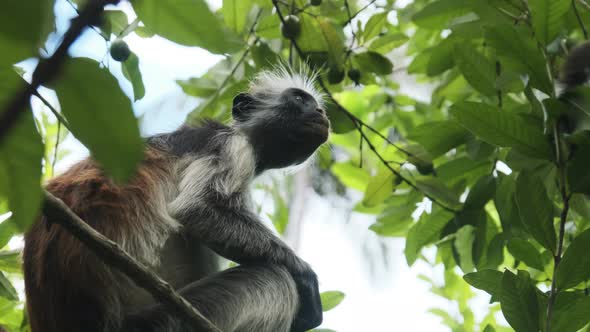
(284, 128)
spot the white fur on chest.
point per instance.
(224, 174)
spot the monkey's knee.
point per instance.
(247, 298)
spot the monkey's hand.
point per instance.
(309, 315)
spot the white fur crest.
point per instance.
(281, 78)
(225, 174)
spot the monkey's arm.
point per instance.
(236, 233)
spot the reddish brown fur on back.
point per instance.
(68, 288)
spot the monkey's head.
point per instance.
(283, 116)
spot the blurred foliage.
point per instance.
(497, 154)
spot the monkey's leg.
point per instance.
(240, 299)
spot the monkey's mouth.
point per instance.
(317, 121)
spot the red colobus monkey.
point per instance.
(187, 203)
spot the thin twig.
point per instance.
(59, 117)
(358, 12)
(565, 196)
(351, 27)
(584, 4)
(361, 149)
(49, 68)
(580, 21)
(359, 124)
(113, 255)
(56, 147)
(499, 90)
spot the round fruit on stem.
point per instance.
(354, 75)
(120, 51)
(335, 75)
(291, 27)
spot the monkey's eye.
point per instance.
(299, 99)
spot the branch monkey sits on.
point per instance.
(187, 203)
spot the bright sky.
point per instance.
(382, 293)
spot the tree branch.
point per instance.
(350, 18)
(565, 196)
(112, 254)
(579, 18)
(48, 69)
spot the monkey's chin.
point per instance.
(319, 131)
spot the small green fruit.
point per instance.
(291, 28)
(355, 75)
(120, 51)
(316, 2)
(335, 75)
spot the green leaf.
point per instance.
(351, 176)
(374, 25)
(577, 170)
(435, 188)
(478, 70)
(235, 13)
(6, 288)
(489, 281)
(331, 299)
(524, 251)
(379, 188)
(388, 43)
(464, 246)
(340, 123)
(10, 261)
(439, 137)
(425, 231)
(373, 62)
(263, 55)
(280, 216)
(481, 192)
(502, 128)
(396, 219)
(309, 39)
(548, 18)
(535, 209)
(571, 312)
(574, 267)
(437, 14)
(489, 328)
(334, 38)
(520, 48)
(7, 230)
(519, 302)
(143, 32)
(187, 22)
(21, 152)
(132, 74)
(114, 21)
(21, 27)
(441, 57)
(100, 116)
(203, 87)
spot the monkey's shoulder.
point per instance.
(207, 137)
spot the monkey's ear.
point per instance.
(242, 104)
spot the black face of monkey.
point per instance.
(284, 129)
